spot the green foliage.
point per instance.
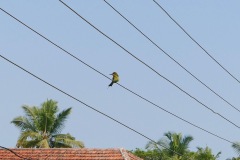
(41, 127)
(147, 155)
(157, 154)
(205, 153)
(236, 147)
(175, 142)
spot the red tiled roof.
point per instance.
(67, 154)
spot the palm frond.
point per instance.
(218, 155)
(27, 136)
(161, 144)
(71, 143)
(50, 107)
(62, 136)
(236, 147)
(59, 121)
(169, 135)
(23, 124)
(47, 116)
(67, 140)
(31, 143)
(186, 140)
(30, 112)
(184, 143)
(30, 134)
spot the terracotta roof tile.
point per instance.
(67, 154)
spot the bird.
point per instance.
(115, 78)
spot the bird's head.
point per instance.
(114, 73)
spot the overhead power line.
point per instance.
(134, 93)
(88, 106)
(204, 105)
(16, 154)
(214, 59)
(155, 44)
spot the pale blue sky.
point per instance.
(214, 24)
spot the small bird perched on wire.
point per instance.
(115, 78)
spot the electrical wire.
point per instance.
(134, 93)
(231, 105)
(204, 105)
(88, 106)
(16, 154)
(214, 59)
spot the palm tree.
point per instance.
(236, 147)
(205, 153)
(174, 142)
(41, 127)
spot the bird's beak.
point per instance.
(110, 74)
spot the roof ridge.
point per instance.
(124, 154)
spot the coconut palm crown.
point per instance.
(41, 127)
(175, 143)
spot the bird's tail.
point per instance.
(110, 84)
